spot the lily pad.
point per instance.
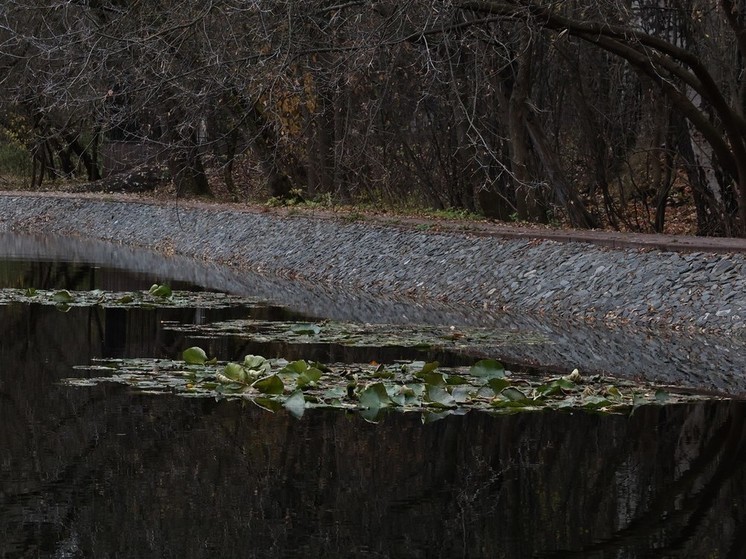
(63, 296)
(375, 396)
(157, 296)
(296, 404)
(194, 356)
(488, 368)
(439, 396)
(420, 337)
(300, 384)
(160, 290)
(302, 329)
(269, 385)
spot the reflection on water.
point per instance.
(105, 472)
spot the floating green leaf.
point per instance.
(375, 396)
(383, 373)
(308, 377)
(556, 386)
(194, 356)
(295, 367)
(62, 296)
(305, 329)
(306, 373)
(295, 404)
(428, 368)
(638, 400)
(438, 396)
(661, 396)
(236, 373)
(514, 395)
(160, 290)
(256, 363)
(463, 394)
(432, 379)
(269, 385)
(595, 402)
(498, 384)
(487, 368)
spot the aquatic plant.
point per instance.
(373, 388)
(158, 296)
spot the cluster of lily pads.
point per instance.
(419, 336)
(159, 295)
(370, 389)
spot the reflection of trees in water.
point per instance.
(675, 512)
(468, 486)
(47, 432)
(187, 471)
(102, 469)
(167, 475)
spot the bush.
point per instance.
(14, 160)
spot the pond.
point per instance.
(110, 469)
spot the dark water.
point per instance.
(106, 472)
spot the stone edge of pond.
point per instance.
(563, 277)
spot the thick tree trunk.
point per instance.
(264, 145)
(709, 217)
(528, 200)
(188, 174)
(88, 160)
(566, 194)
(321, 149)
(231, 146)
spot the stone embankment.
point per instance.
(692, 289)
(607, 303)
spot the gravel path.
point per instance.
(667, 316)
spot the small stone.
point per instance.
(723, 266)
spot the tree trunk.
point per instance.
(527, 197)
(566, 194)
(321, 148)
(188, 174)
(264, 145)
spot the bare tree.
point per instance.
(512, 108)
(713, 110)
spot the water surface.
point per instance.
(105, 471)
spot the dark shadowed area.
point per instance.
(104, 471)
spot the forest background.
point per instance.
(618, 114)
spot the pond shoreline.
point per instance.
(486, 272)
(593, 304)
